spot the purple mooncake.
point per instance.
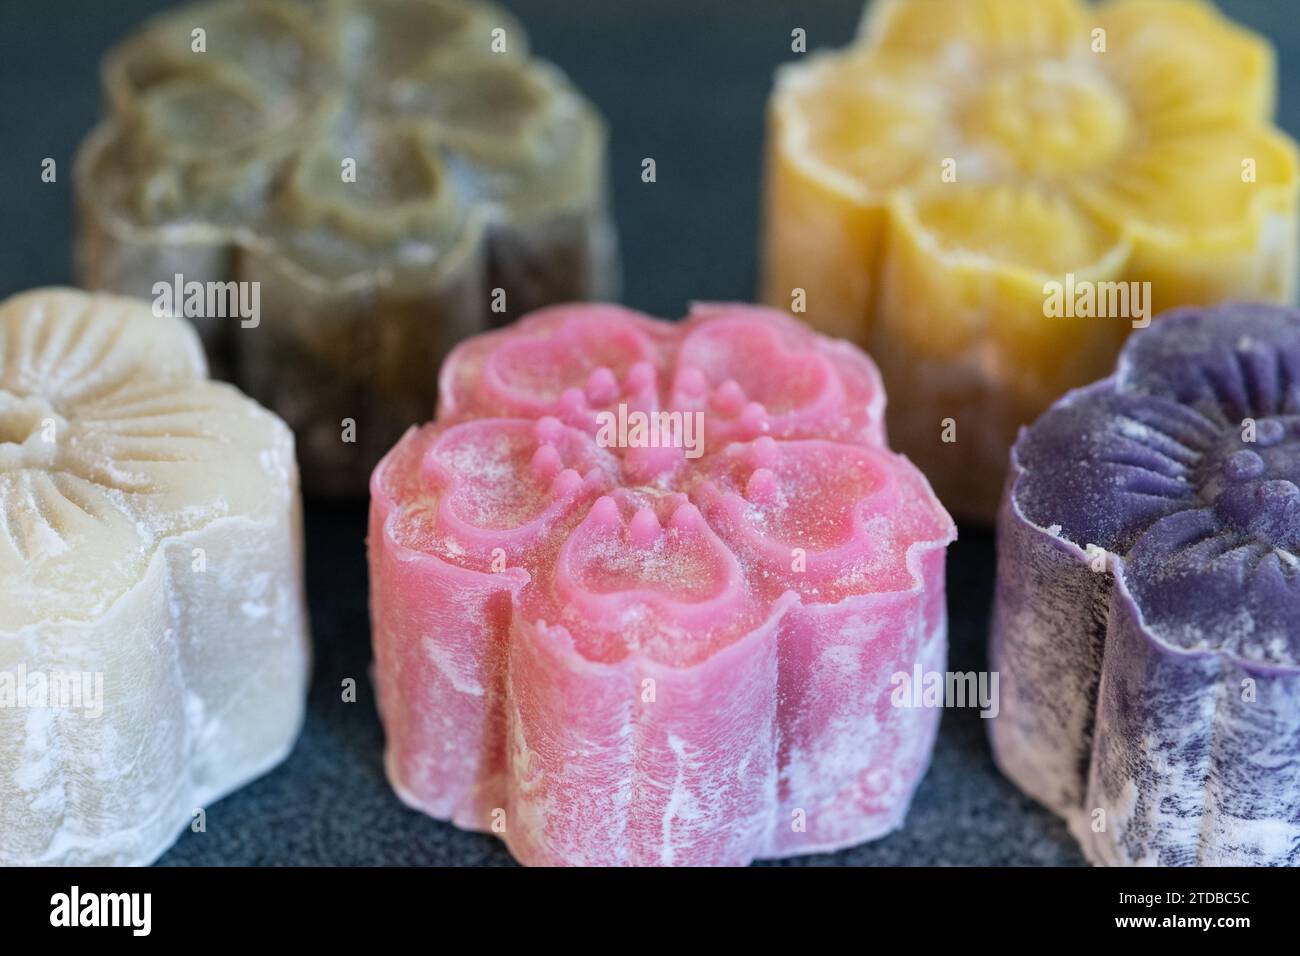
(1147, 617)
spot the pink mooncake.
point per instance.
(640, 590)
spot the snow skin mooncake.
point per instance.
(153, 637)
(394, 175)
(640, 590)
(1147, 616)
(989, 195)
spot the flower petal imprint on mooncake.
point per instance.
(926, 185)
(1147, 616)
(150, 560)
(609, 652)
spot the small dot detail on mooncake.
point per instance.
(1147, 618)
(628, 651)
(153, 634)
(390, 175)
(939, 189)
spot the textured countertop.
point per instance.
(684, 82)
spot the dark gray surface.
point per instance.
(683, 81)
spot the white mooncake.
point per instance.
(154, 649)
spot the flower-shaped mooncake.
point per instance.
(392, 175)
(1147, 623)
(989, 194)
(640, 591)
(153, 640)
